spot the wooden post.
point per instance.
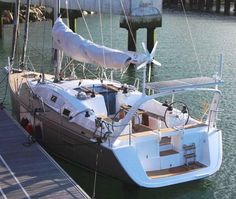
(132, 37)
(218, 5)
(227, 7)
(150, 38)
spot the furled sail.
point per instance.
(80, 49)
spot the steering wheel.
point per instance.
(176, 115)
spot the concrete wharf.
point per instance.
(27, 171)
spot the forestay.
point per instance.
(80, 49)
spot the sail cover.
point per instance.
(80, 49)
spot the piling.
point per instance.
(191, 4)
(132, 37)
(207, 5)
(150, 38)
(134, 23)
(227, 7)
(1, 25)
(73, 23)
(72, 16)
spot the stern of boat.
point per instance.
(156, 159)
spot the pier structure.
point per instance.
(26, 170)
(146, 14)
(218, 6)
(134, 14)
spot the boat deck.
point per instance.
(168, 152)
(175, 170)
(27, 171)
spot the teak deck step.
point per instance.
(165, 141)
(136, 135)
(168, 152)
(190, 155)
(189, 147)
(175, 170)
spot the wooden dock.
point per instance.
(28, 171)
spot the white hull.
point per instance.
(137, 147)
(128, 158)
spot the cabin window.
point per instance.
(54, 98)
(66, 112)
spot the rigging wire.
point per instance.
(128, 23)
(96, 170)
(101, 31)
(1, 81)
(111, 34)
(31, 46)
(191, 37)
(111, 24)
(85, 68)
(90, 35)
(67, 14)
(42, 62)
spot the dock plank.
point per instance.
(29, 172)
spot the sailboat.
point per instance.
(139, 139)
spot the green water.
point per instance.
(212, 35)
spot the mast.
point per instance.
(26, 35)
(57, 55)
(15, 30)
